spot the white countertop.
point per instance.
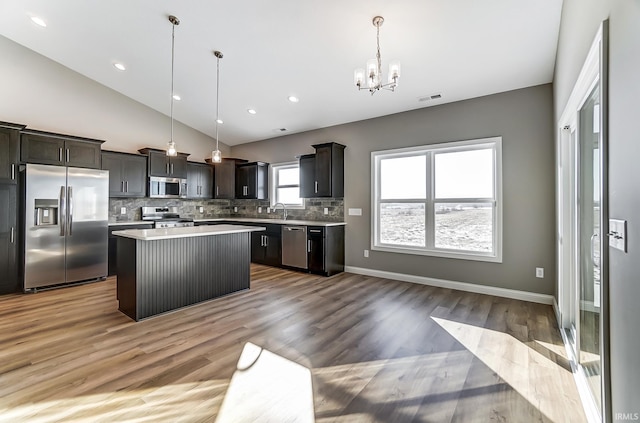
(273, 221)
(130, 222)
(185, 232)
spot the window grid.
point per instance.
(431, 201)
(275, 178)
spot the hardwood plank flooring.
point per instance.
(295, 347)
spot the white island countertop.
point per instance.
(185, 232)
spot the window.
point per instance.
(441, 200)
(285, 186)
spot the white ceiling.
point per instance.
(274, 49)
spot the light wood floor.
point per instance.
(294, 347)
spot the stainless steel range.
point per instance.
(165, 217)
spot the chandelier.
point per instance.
(171, 146)
(216, 155)
(373, 72)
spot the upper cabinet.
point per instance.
(166, 166)
(9, 157)
(252, 181)
(127, 174)
(199, 180)
(322, 173)
(61, 150)
(224, 178)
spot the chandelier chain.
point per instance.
(378, 57)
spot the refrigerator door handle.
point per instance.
(70, 206)
(63, 210)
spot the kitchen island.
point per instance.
(161, 270)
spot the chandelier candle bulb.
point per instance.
(358, 76)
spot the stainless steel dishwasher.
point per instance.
(294, 246)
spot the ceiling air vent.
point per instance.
(280, 130)
(430, 97)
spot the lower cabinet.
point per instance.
(266, 246)
(113, 244)
(325, 249)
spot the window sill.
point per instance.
(439, 253)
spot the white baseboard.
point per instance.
(461, 286)
(556, 310)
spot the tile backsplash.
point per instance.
(313, 210)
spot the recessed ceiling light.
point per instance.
(220, 121)
(293, 99)
(251, 111)
(119, 66)
(176, 97)
(39, 21)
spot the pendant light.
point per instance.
(171, 146)
(216, 155)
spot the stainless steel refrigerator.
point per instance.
(66, 225)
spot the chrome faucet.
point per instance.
(284, 210)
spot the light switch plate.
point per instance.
(618, 234)
(259, 209)
(201, 209)
(123, 210)
(326, 210)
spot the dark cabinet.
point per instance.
(127, 174)
(8, 238)
(199, 180)
(159, 164)
(325, 249)
(9, 157)
(322, 173)
(252, 181)
(113, 244)
(61, 150)
(224, 178)
(266, 246)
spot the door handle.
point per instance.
(63, 210)
(316, 187)
(266, 240)
(70, 200)
(217, 191)
(308, 246)
(60, 154)
(315, 231)
(67, 154)
(13, 172)
(121, 186)
(12, 234)
(167, 168)
(172, 168)
(126, 186)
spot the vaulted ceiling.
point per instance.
(275, 49)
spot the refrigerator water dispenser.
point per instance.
(46, 212)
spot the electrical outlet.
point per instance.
(326, 210)
(235, 210)
(201, 209)
(259, 209)
(366, 253)
(539, 272)
(123, 210)
(268, 210)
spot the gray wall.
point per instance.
(523, 118)
(580, 22)
(45, 95)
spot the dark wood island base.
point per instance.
(160, 275)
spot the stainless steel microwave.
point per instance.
(167, 187)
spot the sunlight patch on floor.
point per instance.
(532, 375)
(267, 388)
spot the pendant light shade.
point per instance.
(171, 145)
(216, 155)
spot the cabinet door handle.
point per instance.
(315, 231)
(217, 191)
(126, 186)
(12, 234)
(67, 154)
(167, 168)
(316, 187)
(308, 246)
(60, 154)
(13, 172)
(121, 186)
(172, 168)
(266, 240)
